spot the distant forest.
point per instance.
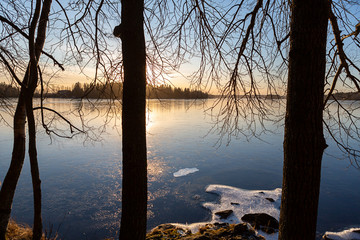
(108, 91)
(346, 96)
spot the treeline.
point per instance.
(346, 96)
(8, 90)
(93, 91)
(108, 91)
(168, 92)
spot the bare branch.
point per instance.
(3, 19)
(61, 116)
(339, 44)
(10, 69)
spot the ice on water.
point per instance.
(185, 171)
(242, 201)
(344, 235)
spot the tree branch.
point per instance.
(62, 117)
(339, 44)
(3, 19)
(10, 69)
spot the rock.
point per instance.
(234, 203)
(224, 214)
(261, 192)
(240, 228)
(209, 231)
(261, 219)
(267, 230)
(218, 225)
(270, 199)
(196, 197)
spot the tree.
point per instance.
(23, 32)
(259, 44)
(24, 110)
(304, 142)
(239, 41)
(134, 187)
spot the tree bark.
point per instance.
(134, 187)
(34, 166)
(304, 142)
(12, 176)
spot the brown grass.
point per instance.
(17, 231)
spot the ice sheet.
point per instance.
(185, 171)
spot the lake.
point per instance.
(81, 177)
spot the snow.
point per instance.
(344, 235)
(241, 201)
(185, 171)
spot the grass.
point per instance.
(17, 231)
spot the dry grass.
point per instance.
(17, 231)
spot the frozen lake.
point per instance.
(81, 177)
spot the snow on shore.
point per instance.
(242, 201)
(350, 234)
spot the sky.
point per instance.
(59, 43)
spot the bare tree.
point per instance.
(245, 49)
(37, 25)
(24, 26)
(260, 47)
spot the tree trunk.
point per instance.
(12, 176)
(35, 175)
(23, 109)
(134, 187)
(304, 142)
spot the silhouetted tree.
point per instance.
(134, 186)
(304, 142)
(272, 44)
(24, 26)
(77, 90)
(24, 110)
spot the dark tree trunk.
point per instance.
(304, 142)
(35, 175)
(12, 176)
(134, 187)
(25, 109)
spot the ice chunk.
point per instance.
(185, 171)
(350, 234)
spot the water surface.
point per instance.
(81, 177)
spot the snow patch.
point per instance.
(185, 171)
(241, 202)
(349, 234)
